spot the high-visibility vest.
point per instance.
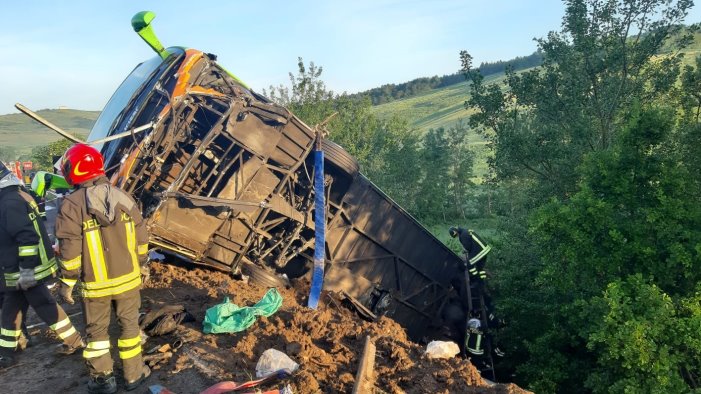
(103, 259)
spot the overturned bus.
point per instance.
(224, 178)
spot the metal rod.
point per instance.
(73, 138)
(122, 134)
(48, 124)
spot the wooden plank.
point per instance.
(365, 378)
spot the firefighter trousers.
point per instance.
(14, 308)
(98, 312)
(25, 331)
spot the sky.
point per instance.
(76, 53)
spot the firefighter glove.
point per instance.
(26, 278)
(65, 292)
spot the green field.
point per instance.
(22, 133)
(443, 107)
(436, 108)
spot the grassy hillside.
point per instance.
(444, 107)
(22, 133)
(436, 108)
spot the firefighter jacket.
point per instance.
(102, 240)
(476, 250)
(473, 338)
(24, 242)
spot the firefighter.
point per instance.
(474, 338)
(474, 343)
(476, 250)
(27, 262)
(25, 340)
(103, 245)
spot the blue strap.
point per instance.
(319, 229)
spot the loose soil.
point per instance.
(327, 344)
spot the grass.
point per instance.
(22, 133)
(443, 107)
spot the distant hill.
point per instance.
(390, 92)
(444, 106)
(22, 133)
(437, 108)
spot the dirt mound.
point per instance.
(326, 343)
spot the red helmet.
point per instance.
(82, 163)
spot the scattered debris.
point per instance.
(153, 360)
(227, 317)
(326, 343)
(164, 320)
(442, 349)
(158, 389)
(225, 387)
(272, 361)
(365, 378)
(155, 256)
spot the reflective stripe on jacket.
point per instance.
(24, 242)
(475, 247)
(473, 337)
(102, 254)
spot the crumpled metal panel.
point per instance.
(190, 227)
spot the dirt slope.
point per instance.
(326, 343)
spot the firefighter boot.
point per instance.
(25, 340)
(7, 358)
(136, 383)
(67, 350)
(102, 384)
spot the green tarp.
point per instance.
(228, 317)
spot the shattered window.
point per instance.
(106, 123)
(121, 97)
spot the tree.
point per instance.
(690, 93)
(647, 342)
(603, 187)
(434, 194)
(42, 156)
(546, 120)
(306, 88)
(461, 162)
(636, 214)
(447, 162)
(386, 149)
